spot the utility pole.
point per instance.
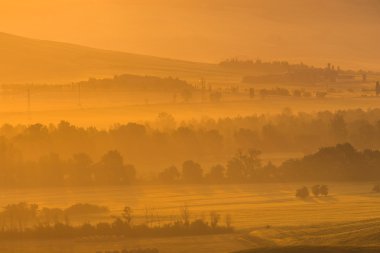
(79, 96)
(29, 104)
(203, 88)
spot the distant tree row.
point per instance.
(29, 221)
(136, 83)
(337, 163)
(22, 216)
(284, 92)
(260, 66)
(167, 141)
(52, 170)
(284, 72)
(298, 76)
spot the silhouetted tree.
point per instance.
(339, 128)
(302, 193)
(81, 169)
(244, 166)
(127, 216)
(316, 190)
(169, 175)
(216, 174)
(192, 172)
(185, 215)
(214, 219)
(111, 169)
(324, 190)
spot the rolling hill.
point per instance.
(24, 60)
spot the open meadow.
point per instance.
(263, 215)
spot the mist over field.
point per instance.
(207, 126)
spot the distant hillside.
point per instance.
(29, 60)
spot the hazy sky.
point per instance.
(206, 30)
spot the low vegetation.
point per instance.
(316, 190)
(338, 163)
(28, 221)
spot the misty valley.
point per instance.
(208, 126)
(268, 179)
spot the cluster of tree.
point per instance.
(376, 188)
(165, 144)
(136, 83)
(22, 216)
(316, 190)
(303, 132)
(299, 76)
(284, 72)
(337, 163)
(243, 167)
(27, 221)
(260, 66)
(52, 170)
(167, 141)
(286, 93)
(119, 83)
(274, 92)
(66, 154)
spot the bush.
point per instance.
(302, 193)
(85, 209)
(376, 188)
(324, 190)
(316, 190)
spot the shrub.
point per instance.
(316, 190)
(324, 190)
(302, 193)
(376, 188)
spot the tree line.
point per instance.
(29, 221)
(337, 163)
(284, 72)
(166, 141)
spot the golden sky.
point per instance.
(204, 30)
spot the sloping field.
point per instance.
(29, 60)
(357, 233)
(266, 216)
(251, 206)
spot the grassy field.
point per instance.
(201, 244)
(266, 216)
(356, 233)
(251, 206)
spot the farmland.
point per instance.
(264, 215)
